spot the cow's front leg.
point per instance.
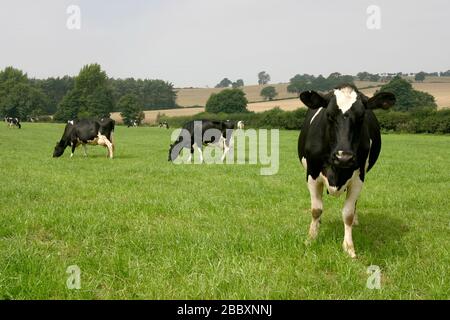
(199, 148)
(226, 148)
(349, 214)
(74, 146)
(315, 187)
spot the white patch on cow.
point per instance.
(70, 122)
(349, 213)
(304, 163)
(315, 115)
(315, 188)
(103, 141)
(333, 190)
(345, 98)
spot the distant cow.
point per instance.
(13, 122)
(339, 143)
(188, 138)
(133, 123)
(240, 125)
(94, 132)
(164, 125)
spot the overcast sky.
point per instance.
(198, 42)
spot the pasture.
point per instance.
(141, 227)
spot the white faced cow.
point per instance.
(339, 143)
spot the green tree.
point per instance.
(420, 77)
(55, 89)
(18, 98)
(263, 78)
(237, 84)
(22, 101)
(407, 98)
(91, 96)
(374, 77)
(227, 101)
(224, 83)
(300, 83)
(268, 93)
(131, 108)
(363, 76)
(69, 107)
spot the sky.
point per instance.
(199, 42)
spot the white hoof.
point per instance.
(349, 249)
(314, 230)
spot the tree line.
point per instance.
(407, 98)
(90, 94)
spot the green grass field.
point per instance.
(140, 227)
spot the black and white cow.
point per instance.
(339, 143)
(13, 122)
(133, 123)
(94, 132)
(193, 134)
(164, 125)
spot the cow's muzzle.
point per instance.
(343, 159)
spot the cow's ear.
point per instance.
(382, 100)
(313, 100)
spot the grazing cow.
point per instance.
(94, 132)
(339, 143)
(13, 122)
(133, 123)
(190, 139)
(240, 125)
(164, 125)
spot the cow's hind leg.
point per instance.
(103, 141)
(349, 213)
(84, 149)
(315, 187)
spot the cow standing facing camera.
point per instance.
(339, 143)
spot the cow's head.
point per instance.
(59, 149)
(345, 108)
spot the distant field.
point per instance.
(440, 90)
(438, 87)
(139, 227)
(199, 96)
